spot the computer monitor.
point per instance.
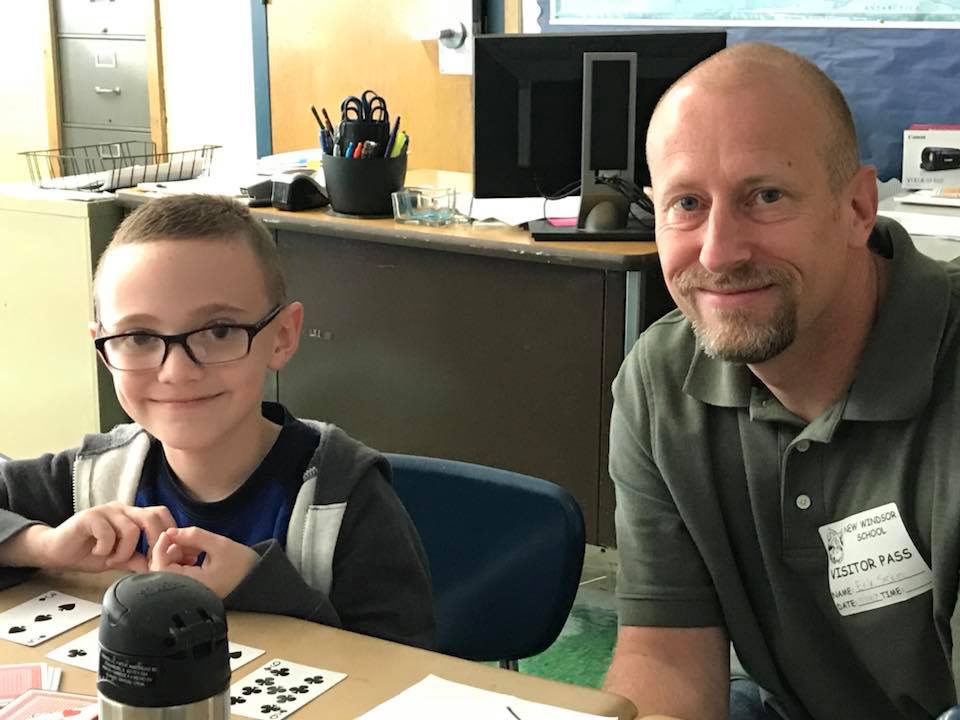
(558, 113)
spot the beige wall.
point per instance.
(22, 89)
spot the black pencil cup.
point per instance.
(362, 186)
(354, 131)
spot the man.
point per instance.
(782, 444)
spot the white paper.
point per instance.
(435, 698)
(516, 211)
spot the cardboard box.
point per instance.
(931, 157)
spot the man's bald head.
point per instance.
(760, 66)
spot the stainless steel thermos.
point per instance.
(163, 651)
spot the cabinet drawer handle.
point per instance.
(106, 91)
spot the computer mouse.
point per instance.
(605, 215)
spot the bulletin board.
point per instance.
(892, 74)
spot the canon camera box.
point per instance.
(931, 158)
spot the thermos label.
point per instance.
(120, 671)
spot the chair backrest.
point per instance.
(3, 458)
(505, 551)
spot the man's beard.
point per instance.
(737, 335)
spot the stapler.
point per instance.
(297, 190)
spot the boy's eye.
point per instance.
(136, 342)
(218, 332)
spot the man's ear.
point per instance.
(861, 201)
(287, 337)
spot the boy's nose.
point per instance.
(178, 365)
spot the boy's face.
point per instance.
(170, 287)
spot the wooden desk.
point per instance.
(376, 669)
(465, 342)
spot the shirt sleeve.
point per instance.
(381, 582)
(662, 580)
(31, 492)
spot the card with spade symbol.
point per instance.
(44, 617)
(278, 688)
(84, 652)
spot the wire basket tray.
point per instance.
(111, 166)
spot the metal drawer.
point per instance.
(77, 136)
(102, 17)
(104, 82)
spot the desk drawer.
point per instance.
(102, 17)
(104, 82)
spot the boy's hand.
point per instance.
(100, 538)
(225, 564)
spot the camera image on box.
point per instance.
(939, 158)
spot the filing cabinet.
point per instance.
(103, 70)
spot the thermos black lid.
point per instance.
(163, 641)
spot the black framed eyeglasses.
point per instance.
(211, 345)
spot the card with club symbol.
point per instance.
(278, 688)
(84, 652)
(44, 617)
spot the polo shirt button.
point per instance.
(803, 446)
(804, 502)
(764, 403)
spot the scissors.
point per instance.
(369, 107)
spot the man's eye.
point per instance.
(768, 196)
(688, 203)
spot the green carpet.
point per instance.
(582, 653)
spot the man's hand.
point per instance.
(100, 538)
(225, 564)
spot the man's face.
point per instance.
(750, 235)
(170, 287)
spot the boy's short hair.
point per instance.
(200, 217)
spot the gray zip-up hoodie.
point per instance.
(353, 558)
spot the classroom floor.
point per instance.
(582, 652)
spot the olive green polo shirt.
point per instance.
(828, 550)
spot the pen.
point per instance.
(349, 151)
(392, 139)
(510, 710)
(327, 118)
(358, 150)
(316, 115)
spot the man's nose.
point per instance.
(725, 243)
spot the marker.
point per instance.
(349, 151)
(358, 150)
(399, 145)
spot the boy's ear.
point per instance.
(93, 326)
(287, 337)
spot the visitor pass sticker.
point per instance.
(872, 561)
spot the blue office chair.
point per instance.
(505, 551)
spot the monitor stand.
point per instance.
(636, 230)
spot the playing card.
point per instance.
(16, 679)
(279, 688)
(84, 652)
(240, 655)
(36, 702)
(44, 617)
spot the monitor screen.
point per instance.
(528, 104)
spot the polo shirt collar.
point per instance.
(895, 377)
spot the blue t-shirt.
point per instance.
(259, 509)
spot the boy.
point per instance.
(288, 516)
